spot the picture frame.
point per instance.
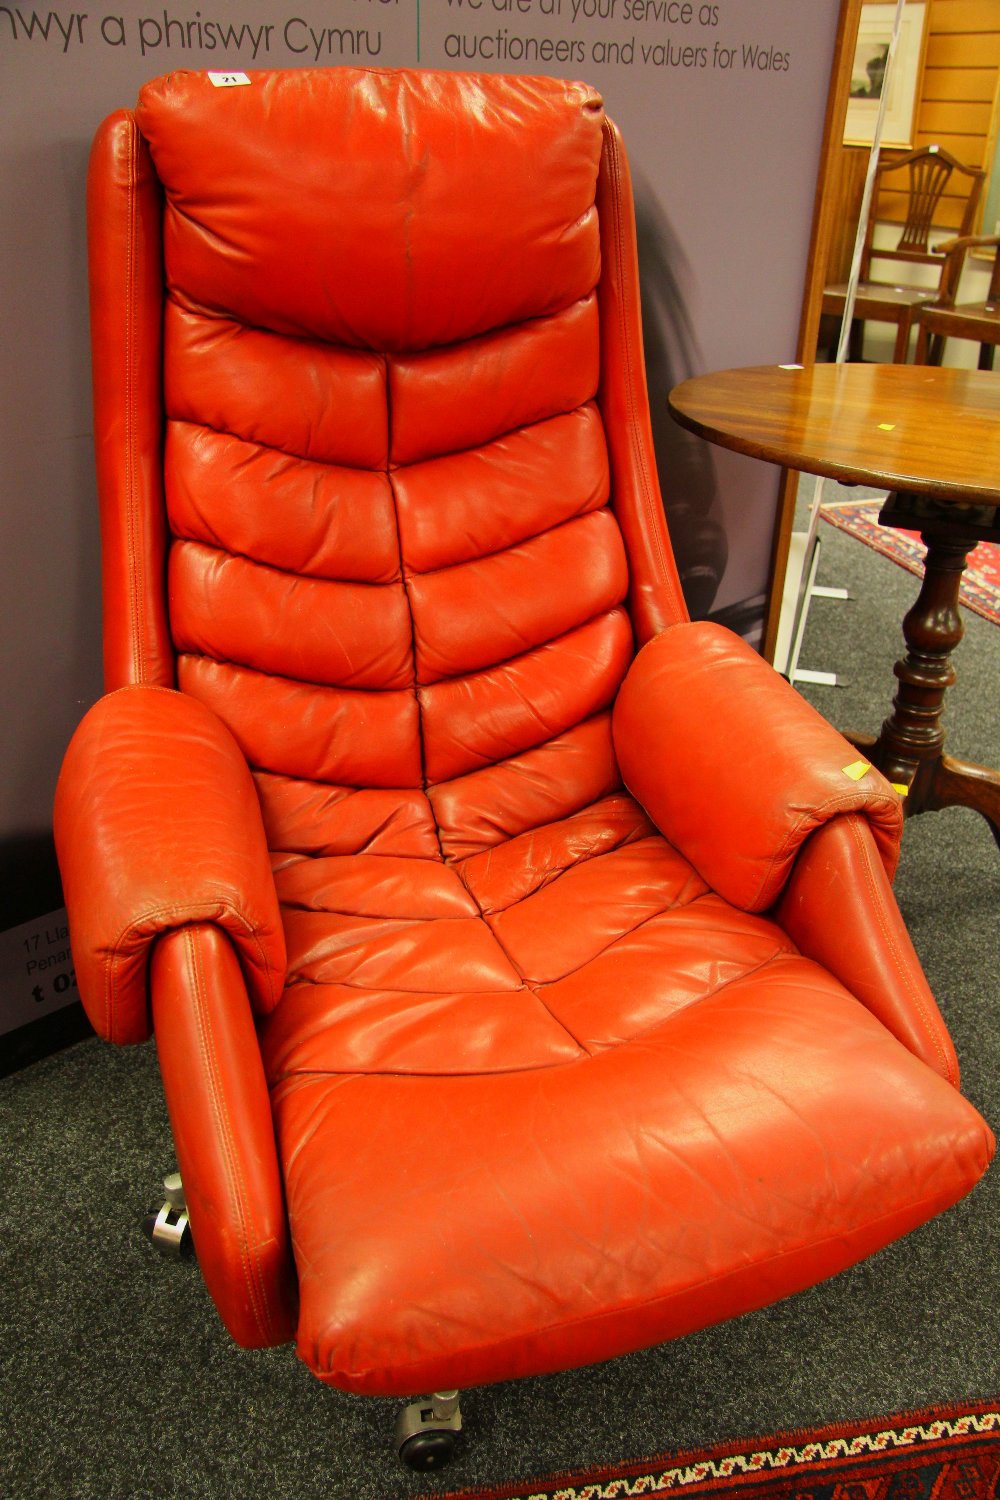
(867, 74)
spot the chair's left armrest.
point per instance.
(734, 767)
(157, 826)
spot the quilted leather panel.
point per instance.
(599, 932)
(313, 630)
(365, 931)
(396, 953)
(522, 864)
(511, 378)
(566, 923)
(317, 519)
(341, 736)
(677, 958)
(471, 722)
(312, 817)
(372, 527)
(465, 505)
(339, 1029)
(477, 812)
(375, 886)
(297, 395)
(478, 613)
(509, 252)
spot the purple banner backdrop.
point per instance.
(721, 106)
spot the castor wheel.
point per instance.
(169, 1228)
(427, 1431)
(428, 1450)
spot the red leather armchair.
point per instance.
(526, 975)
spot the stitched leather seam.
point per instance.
(135, 582)
(633, 835)
(676, 905)
(249, 1254)
(628, 355)
(531, 988)
(382, 917)
(902, 969)
(194, 309)
(605, 612)
(321, 687)
(666, 911)
(187, 653)
(394, 467)
(413, 689)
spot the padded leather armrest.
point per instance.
(734, 767)
(157, 825)
(220, 1115)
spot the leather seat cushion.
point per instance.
(601, 1107)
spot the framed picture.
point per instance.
(868, 75)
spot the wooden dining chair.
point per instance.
(978, 321)
(922, 176)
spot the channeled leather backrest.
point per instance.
(392, 560)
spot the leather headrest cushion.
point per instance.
(380, 209)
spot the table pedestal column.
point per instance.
(909, 747)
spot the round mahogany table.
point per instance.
(931, 437)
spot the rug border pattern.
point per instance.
(760, 1458)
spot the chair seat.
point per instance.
(873, 296)
(881, 301)
(970, 320)
(654, 1114)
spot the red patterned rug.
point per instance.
(980, 581)
(942, 1453)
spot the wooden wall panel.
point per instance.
(957, 117)
(963, 50)
(960, 89)
(964, 15)
(958, 85)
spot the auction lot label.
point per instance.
(36, 970)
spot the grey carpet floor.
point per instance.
(117, 1379)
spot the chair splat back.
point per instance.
(928, 175)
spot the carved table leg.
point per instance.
(909, 747)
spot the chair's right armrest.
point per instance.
(954, 252)
(158, 826)
(734, 767)
(838, 908)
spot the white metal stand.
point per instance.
(803, 587)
